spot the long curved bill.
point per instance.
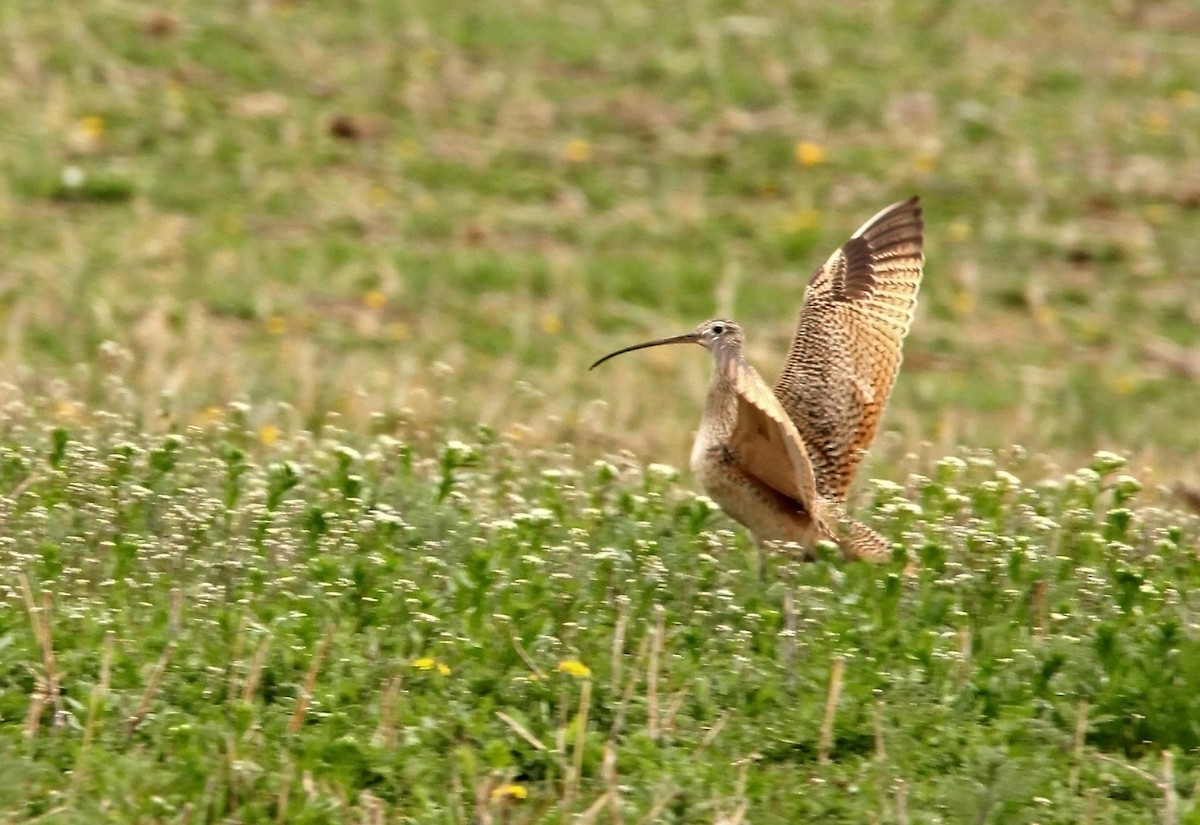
(686, 338)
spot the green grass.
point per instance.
(265, 263)
(528, 187)
(428, 601)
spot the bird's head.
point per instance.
(715, 335)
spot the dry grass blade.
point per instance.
(608, 771)
(285, 791)
(880, 749)
(310, 681)
(964, 655)
(100, 691)
(22, 488)
(526, 658)
(789, 631)
(483, 800)
(739, 811)
(255, 671)
(1081, 725)
(235, 659)
(37, 703)
(385, 731)
(630, 686)
(739, 814)
(1170, 798)
(593, 811)
(152, 686)
(571, 783)
(1039, 610)
(175, 617)
(712, 734)
(618, 642)
(901, 802)
(660, 802)
(521, 731)
(668, 720)
(46, 683)
(656, 646)
(831, 703)
(1146, 775)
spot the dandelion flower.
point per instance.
(924, 162)
(429, 663)
(92, 126)
(577, 150)
(1157, 123)
(551, 324)
(800, 220)
(809, 153)
(509, 791)
(576, 668)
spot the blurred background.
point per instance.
(423, 215)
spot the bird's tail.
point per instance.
(858, 541)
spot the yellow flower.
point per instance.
(429, 663)
(1045, 315)
(67, 409)
(1124, 384)
(923, 162)
(1185, 98)
(800, 220)
(964, 302)
(576, 668)
(960, 230)
(577, 150)
(268, 434)
(551, 324)
(1157, 123)
(809, 153)
(509, 791)
(375, 299)
(92, 126)
(410, 149)
(276, 325)
(1132, 66)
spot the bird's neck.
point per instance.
(720, 409)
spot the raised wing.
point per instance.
(765, 440)
(847, 350)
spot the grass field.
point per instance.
(312, 511)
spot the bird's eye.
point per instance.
(718, 329)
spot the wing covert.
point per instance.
(765, 440)
(846, 352)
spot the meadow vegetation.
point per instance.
(312, 512)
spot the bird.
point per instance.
(780, 459)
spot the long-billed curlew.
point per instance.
(781, 462)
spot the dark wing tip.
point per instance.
(902, 222)
(859, 281)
